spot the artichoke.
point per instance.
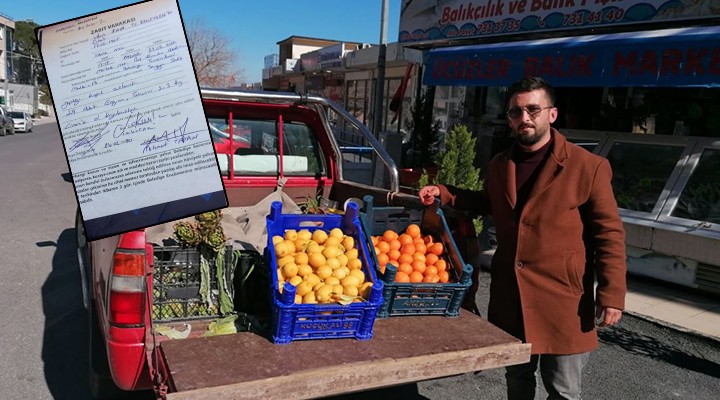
(209, 218)
(187, 234)
(216, 239)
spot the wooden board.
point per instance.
(402, 350)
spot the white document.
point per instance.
(132, 123)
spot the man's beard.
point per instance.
(529, 140)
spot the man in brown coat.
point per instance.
(558, 231)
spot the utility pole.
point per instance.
(380, 79)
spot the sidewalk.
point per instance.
(674, 306)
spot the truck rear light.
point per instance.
(128, 288)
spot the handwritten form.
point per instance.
(131, 118)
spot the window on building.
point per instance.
(640, 172)
(700, 199)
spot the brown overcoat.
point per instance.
(568, 235)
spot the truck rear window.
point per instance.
(255, 148)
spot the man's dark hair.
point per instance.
(530, 83)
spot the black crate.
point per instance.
(176, 284)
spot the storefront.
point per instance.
(629, 76)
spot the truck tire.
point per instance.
(102, 386)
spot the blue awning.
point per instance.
(684, 57)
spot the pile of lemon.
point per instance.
(323, 266)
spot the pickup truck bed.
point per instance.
(403, 350)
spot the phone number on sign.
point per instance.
(596, 17)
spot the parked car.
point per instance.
(7, 126)
(22, 121)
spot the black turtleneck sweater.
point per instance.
(527, 167)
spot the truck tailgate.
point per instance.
(402, 350)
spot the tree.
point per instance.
(457, 164)
(424, 128)
(214, 61)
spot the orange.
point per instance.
(418, 266)
(408, 248)
(420, 257)
(413, 230)
(384, 247)
(406, 268)
(394, 262)
(420, 248)
(431, 279)
(405, 258)
(405, 239)
(395, 245)
(441, 265)
(431, 270)
(436, 248)
(431, 259)
(393, 254)
(376, 250)
(389, 235)
(402, 277)
(418, 240)
(415, 277)
(444, 276)
(383, 259)
(428, 239)
(374, 240)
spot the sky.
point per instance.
(253, 26)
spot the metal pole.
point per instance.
(380, 79)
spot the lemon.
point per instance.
(318, 286)
(282, 249)
(365, 289)
(351, 253)
(333, 241)
(312, 279)
(277, 239)
(284, 260)
(309, 298)
(304, 234)
(298, 299)
(337, 232)
(343, 260)
(350, 290)
(300, 244)
(341, 273)
(291, 235)
(303, 288)
(313, 247)
(316, 260)
(338, 289)
(354, 263)
(301, 258)
(295, 280)
(348, 242)
(331, 251)
(324, 293)
(304, 269)
(289, 270)
(359, 274)
(324, 272)
(350, 280)
(331, 280)
(333, 263)
(319, 236)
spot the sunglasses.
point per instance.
(532, 110)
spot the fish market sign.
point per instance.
(434, 21)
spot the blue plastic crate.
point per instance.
(417, 298)
(292, 321)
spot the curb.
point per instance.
(672, 326)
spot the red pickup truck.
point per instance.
(259, 138)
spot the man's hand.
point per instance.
(607, 316)
(428, 193)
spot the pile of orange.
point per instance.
(416, 256)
